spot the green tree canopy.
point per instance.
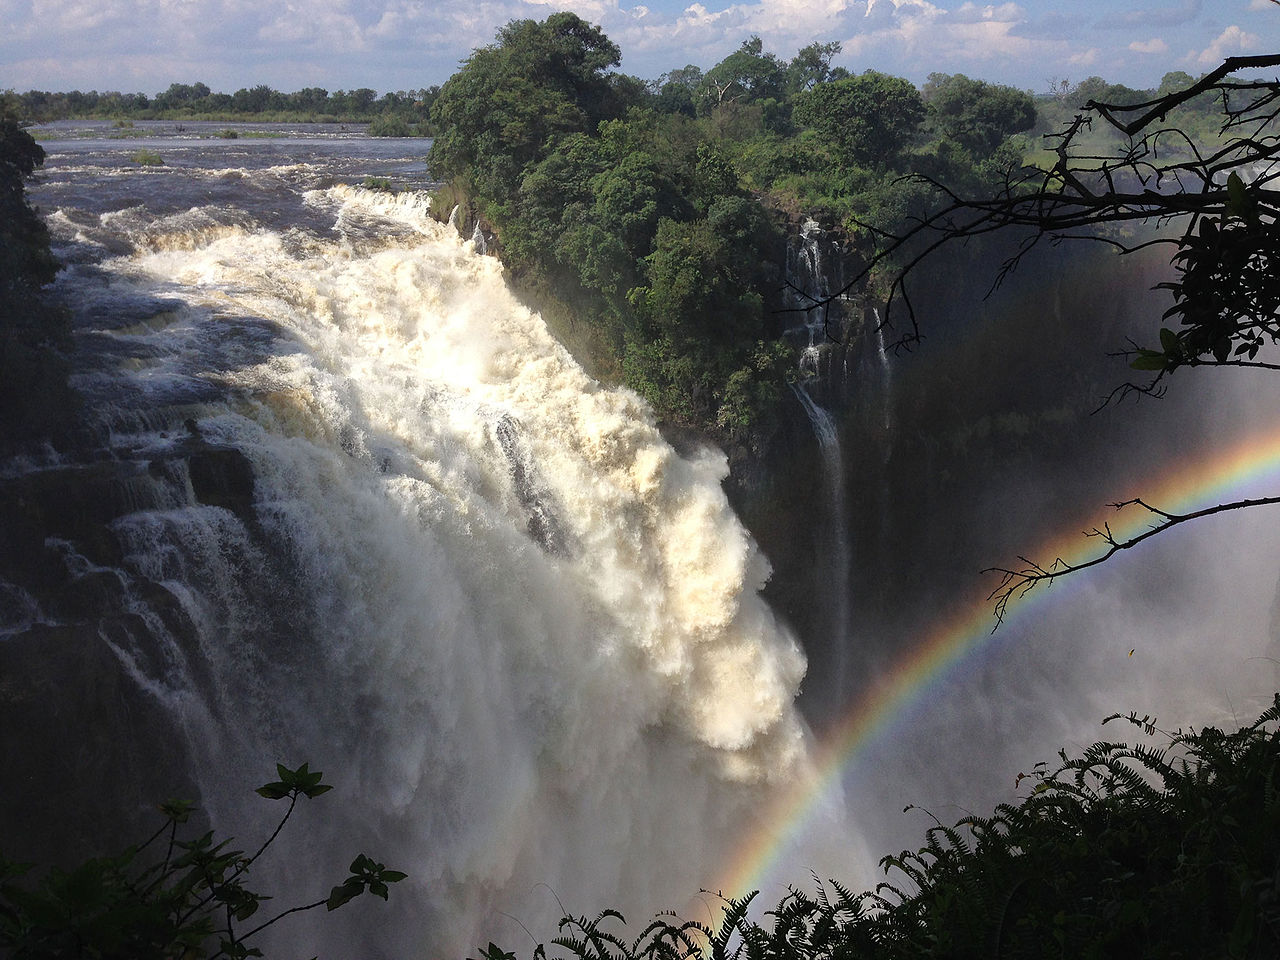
(976, 114)
(812, 66)
(500, 113)
(869, 119)
(748, 75)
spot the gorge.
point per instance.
(339, 497)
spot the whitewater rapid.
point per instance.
(521, 635)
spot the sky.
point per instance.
(145, 45)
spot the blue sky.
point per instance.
(144, 45)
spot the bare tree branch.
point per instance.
(1015, 583)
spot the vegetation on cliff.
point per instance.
(33, 333)
(652, 209)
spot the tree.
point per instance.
(812, 66)
(869, 119)
(1212, 200)
(500, 113)
(748, 75)
(975, 114)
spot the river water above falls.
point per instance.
(338, 497)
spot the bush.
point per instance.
(147, 158)
(389, 126)
(33, 371)
(167, 897)
(1124, 851)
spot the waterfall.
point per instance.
(839, 554)
(403, 536)
(886, 376)
(814, 271)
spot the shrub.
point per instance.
(1124, 851)
(389, 126)
(167, 897)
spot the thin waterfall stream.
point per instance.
(814, 271)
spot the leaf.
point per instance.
(1239, 203)
(1148, 360)
(274, 791)
(179, 811)
(344, 893)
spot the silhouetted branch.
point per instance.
(1016, 583)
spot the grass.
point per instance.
(147, 158)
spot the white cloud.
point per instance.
(1154, 45)
(391, 44)
(1004, 13)
(1230, 42)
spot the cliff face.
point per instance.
(88, 751)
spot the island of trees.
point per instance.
(401, 113)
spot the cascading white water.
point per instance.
(813, 275)
(886, 375)
(520, 634)
(838, 551)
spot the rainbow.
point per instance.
(1213, 477)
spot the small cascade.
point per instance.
(837, 550)
(886, 375)
(479, 241)
(814, 272)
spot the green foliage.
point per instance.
(634, 208)
(500, 113)
(978, 116)
(196, 101)
(390, 125)
(147, 158)
(33, 372)
(812, 66)
(1226, 294)
(870, 120)
(167, 897)
(1124, 851)
(748, 75)
(695, 349)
